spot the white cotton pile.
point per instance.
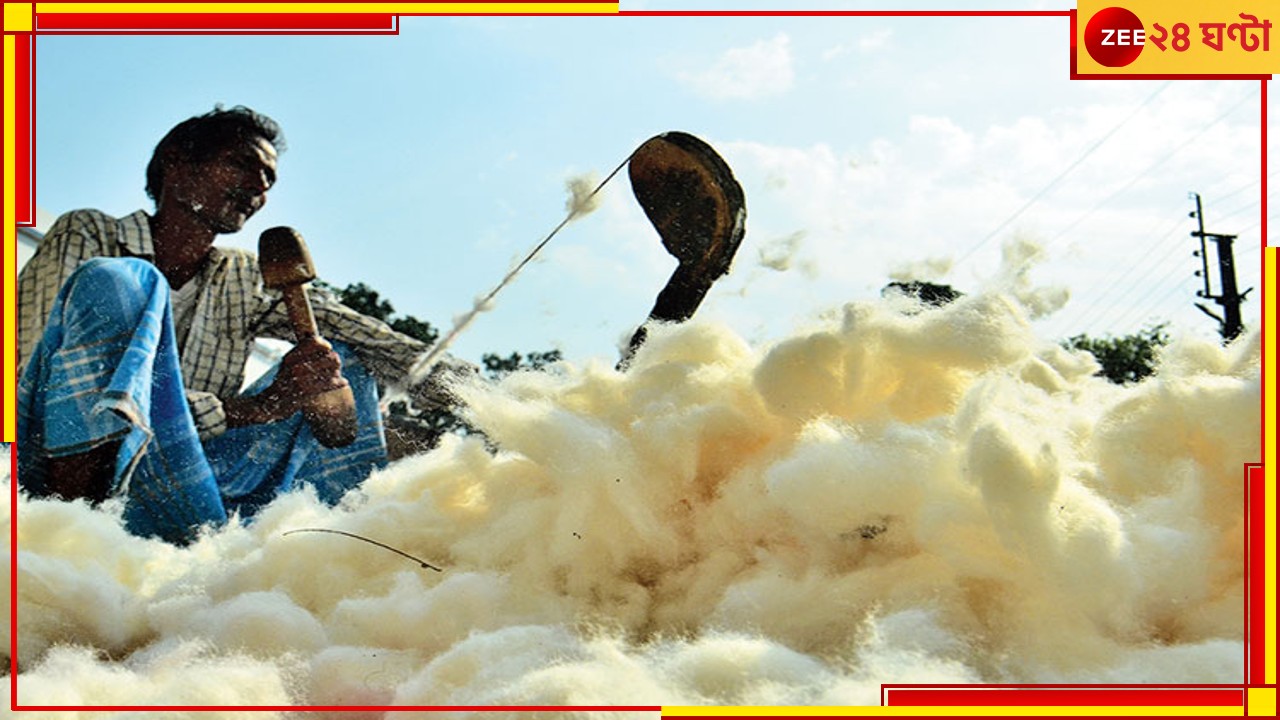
(929, 496)
(928, 270)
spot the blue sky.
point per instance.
(425, 164)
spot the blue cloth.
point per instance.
(106, 369)
(255, 463)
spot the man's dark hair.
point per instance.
(199, 138)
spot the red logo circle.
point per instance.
(1114, 37)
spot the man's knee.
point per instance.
(124, 276)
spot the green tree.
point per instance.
(927, 292)
(361, 298)
(415, 328)
(366, 301)
(1127, 358)
(497, 366)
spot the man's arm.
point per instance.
(304, 371)
(308, 369)
(388, 354)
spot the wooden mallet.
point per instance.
(287, 267)
(690, 195)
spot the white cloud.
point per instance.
(942, 139)
(748, 73)
(866, 44)
(873, 41)
(943, 192)
(835, 52)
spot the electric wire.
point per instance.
(1144, 173)
(1233, 193)
(1105, 289)
(1141, 307)
(1121, 274)
(1145, 285)
(1241, 209)
(1052, 183)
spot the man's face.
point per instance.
(224, 191)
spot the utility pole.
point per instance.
(1230, 325)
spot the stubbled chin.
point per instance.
(232, 221)
(226, 227)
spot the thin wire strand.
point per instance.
(1140, 307)
(1120, 274)
(423, 366)
(1043, 191)
(384, 546)
(1165, 158)
(1168, 267)
(1237, 191)
(1053, 241)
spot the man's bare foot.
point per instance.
(85, 475)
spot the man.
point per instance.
(133, 336)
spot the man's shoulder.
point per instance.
(234, 255)
(89, 221)
(235, 265)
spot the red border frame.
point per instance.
(1063, 695)
(1255, 585)
(264, 23)
(24, 116)
(895, 695)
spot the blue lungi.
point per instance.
(107, 369)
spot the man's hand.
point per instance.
(310, 368)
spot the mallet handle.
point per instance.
(332, 413)
(298, 305)
(286, 266)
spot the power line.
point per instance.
(1173, 263)
(1213, 186)
(1140, 303)
(1243, 208)
(1088, 312)
(1259, 222)
(1238, 210)
(1151, 313)
(1151, 167)
(1062, 174)
(1238, 190)
(1124, 271)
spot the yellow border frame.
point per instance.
(10, 233)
